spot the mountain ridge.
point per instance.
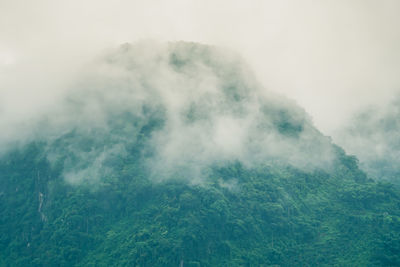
(168, 155)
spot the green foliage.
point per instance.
(90, 197)
(268, 216)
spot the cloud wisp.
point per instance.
(195, 106)
(317, 53)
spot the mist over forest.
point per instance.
(208, 107)
(373, 135)
(184, 134)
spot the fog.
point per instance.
(373, 135)
(187, 107)
(331, 57)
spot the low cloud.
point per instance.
(201, 106)
(373, 135)
(317, 53)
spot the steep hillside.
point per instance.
(374, 136)
(174, 155)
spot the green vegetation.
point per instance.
(373, 136)
(237, 217)
(215, 177)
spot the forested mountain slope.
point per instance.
(373, 135)
(173, 155)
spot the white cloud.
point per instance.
(332, 57)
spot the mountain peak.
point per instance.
(194, 106)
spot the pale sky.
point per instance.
(333, 57)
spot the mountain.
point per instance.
(174, 155)
(373, 136)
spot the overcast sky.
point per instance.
(332, 57)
